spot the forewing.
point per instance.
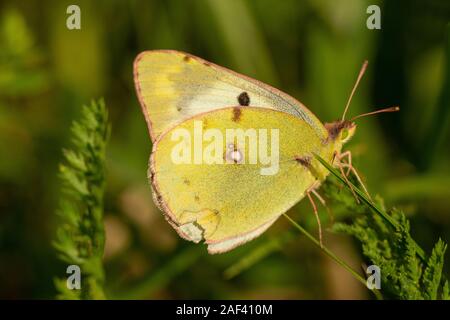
(173, 86)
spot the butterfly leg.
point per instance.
(309, 191)
(355, 173)
(350, 169)
(317, 217)
(347, 154)
(340, 166)
(323, 202)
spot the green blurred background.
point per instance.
(311, 49)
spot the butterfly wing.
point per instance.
(173, 86)
(227, 204)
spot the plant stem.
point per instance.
(330, 254)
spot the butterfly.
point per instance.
(227, 199)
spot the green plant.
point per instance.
(406, 272)
(80, 235)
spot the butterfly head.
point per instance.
(340, 131)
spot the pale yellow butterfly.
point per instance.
(227, 203)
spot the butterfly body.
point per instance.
(220, 187)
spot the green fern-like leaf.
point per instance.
(393, 249)
(386, 241)
(80, 234)
(433, 272)
(445, 291)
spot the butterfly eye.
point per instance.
(347, 133)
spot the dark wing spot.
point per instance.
(186, 182)
(243, 99)
(179, 108)
(186, 58)
(236, 114)
(304, 161)
(196, 198)
(159, 199)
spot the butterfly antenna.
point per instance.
(390, 109)
(360, 75)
